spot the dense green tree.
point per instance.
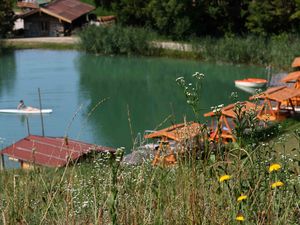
(270, 16)
(219, 17)
(170, 17)
(181, 18)
(7, 17)
(131, 12)
(103, 3)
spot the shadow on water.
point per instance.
(146, 88)
(7, 72)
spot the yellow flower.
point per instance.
(274, 167)
(240, 217)
(241, 198)
(224, 177)
(277, 184)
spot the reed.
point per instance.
(116, 40)
(278, 51)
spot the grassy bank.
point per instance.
(277, 51)
(221, 189)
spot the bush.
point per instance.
(116, 40)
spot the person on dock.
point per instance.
(21, 105)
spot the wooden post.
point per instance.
(27, 123)
(42, 121)
(2, 165)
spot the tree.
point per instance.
(7, 17)
(219, 17)
(131, 12)
(270, 16)
(104, 3)
(170, 17)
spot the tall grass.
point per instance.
(116, 40)
(278, 51)
(183, 194)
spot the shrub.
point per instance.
(116, 40)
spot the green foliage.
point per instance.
(103, 3)
(115, 40)
(7, 17)
(192, 92)
(131, 12)
(266, 17)
(184, 18)
(170, 17)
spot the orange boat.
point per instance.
(251, 82)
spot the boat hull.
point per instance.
(20, 111)
(251, 82)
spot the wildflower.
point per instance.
(277, 184)
(224, 178)
(241, 198)
(179, 79)
(274, 167)
(240, 217)
(198, 75)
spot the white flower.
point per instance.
(179, 79)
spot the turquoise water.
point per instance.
(138, 93)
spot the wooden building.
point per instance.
(36, 150)
(58, 18)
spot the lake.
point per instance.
(106, 100)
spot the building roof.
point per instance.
(278, 94)
(296, 62)
(65, 10)
(229, 109)
(50, 151)
(177, 132)
(31, 5)
(291, 77)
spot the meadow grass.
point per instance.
(191, 192)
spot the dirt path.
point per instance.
(75, 40)
(59, 40)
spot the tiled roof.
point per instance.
(50, 151)
(67, 10)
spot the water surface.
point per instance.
(133, 94)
